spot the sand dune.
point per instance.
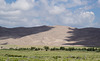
(50, 35)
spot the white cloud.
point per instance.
(45, 12)
(75, 3)
(15, 12)
(22, 4)
(78, 2)
(57, 10)
(79, 19)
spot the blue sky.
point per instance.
(28, 13)
(10, 1)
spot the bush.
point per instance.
(71, 49)
(46, 48)
(53, 49)
(33, 48)
(11, 48)
(62, 48)
(91, 49)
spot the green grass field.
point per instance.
(29, 55)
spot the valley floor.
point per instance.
(30, 55)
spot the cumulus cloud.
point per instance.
(57, 10)
(22, 4)
(15, 12)
(75, 3)
(79, 19)
(45, 12)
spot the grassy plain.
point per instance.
(30, 55)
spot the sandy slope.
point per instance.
(56, 36)
(53, 36)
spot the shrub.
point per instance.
(46, 48)
(52, 49)
(11, 48)
(33, 48)
(62, 48)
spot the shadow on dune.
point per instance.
(86, 36)
(18, 32)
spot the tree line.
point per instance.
(47, 48)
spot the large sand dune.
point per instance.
(50, 35)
